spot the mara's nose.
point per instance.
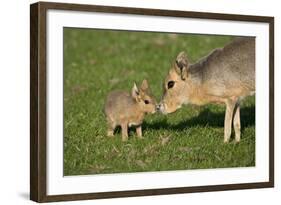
(158, 107)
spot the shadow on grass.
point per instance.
(206, 117)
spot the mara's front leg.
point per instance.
(237, 123)
(139, 131)
(230, 105)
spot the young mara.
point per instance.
(126, 110)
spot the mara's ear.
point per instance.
(135, 93)
(144, 85)
(181, 65)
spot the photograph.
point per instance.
(139, 101)
(132, 102)
(128, 102)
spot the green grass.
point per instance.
(98, 61)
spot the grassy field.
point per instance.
(97, 61)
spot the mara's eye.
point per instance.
(171, 84)
(146, 102)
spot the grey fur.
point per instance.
(226, 68)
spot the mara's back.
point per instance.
(118, 102)
(230, 70)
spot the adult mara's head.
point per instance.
(176, 85)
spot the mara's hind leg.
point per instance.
(124, 128)
(110, 132)
(230, 105)
(110, 128)
(237, 123)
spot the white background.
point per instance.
(14, 103)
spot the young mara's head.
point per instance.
(176, 85)
(144, 98)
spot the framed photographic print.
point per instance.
(134, 102)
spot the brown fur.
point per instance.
(225, 76)
(125, 109)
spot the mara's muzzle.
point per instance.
(161, 108)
